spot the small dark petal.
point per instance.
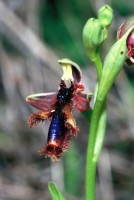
(81, 101)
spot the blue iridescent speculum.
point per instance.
(56, 128)
(58, 108)
(55, 136)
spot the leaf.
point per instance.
(54, 192)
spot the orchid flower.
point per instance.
(58, 108)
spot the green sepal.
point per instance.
(54, 192)
(105, 16)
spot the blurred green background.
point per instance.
(33, 36)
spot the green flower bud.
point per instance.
(105, 16)
(92, 37)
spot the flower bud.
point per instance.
(105, 16)
(92, 37)
(130, 39)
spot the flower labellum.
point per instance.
(130, 39)
(58, 107)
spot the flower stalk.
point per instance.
(113, 63)
(94, 125)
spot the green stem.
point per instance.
(98, 64)
(100, 132)
(97, 129)
(91, 162)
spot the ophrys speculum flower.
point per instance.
(58, 107)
